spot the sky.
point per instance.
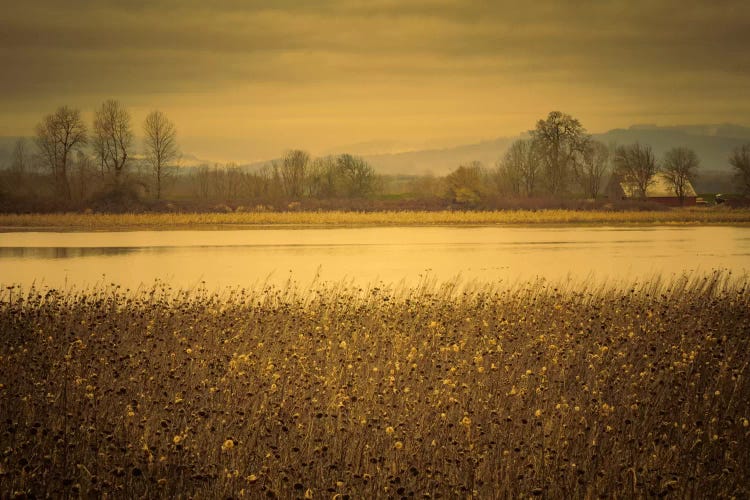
(247, 80)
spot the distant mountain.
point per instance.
(440, 161)
(190, 160)
(712, 143)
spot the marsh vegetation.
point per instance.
(78, 221)
(370, 392)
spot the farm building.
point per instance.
(660, 190)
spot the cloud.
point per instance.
(668, 55)
(615, 34)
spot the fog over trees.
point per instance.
(557, 163)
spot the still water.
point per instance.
(364, 256)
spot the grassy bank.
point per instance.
(336, 218)
(532, 391)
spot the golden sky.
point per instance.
(246, 80)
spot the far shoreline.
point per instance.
(342, 219)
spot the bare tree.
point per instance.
(202, 178)
(161, 145)
(273, 180)
(113, 137)
(322, 178)
(592, 167)
(98, 144)
(635, 165)
(292, 171)
(508, 175)
(519, 168)
(218, 179)
(560, 140)
(233, 179)
(679, 167)
(357, 176)
(56, 136)
(740, 161)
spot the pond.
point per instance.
(367, 255)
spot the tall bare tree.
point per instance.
(56, 136)
(740, 161)
(114, 137)
(635, 164)
(273, 179)
(161, 145)
(292, 170)
(202, 178)
(322, 178)
(358, 177)
(560, 140)
(591, 169)
(519, 169)
(679, 167)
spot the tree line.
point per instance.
(63, 133)
(290, 179)
(79, 161)
(560, 158)
(557, 160)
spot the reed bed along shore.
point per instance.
(244, 220)
(423, 392)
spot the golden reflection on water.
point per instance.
(365, 255)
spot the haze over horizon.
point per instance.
(245, 81)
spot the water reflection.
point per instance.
(62, 252)
(364, 255)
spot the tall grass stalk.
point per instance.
(539, 389)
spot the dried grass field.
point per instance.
(344, 392)
(245, 219)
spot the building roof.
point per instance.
(659, 188)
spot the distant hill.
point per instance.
(712, 143)
(440, 161)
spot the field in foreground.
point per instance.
(334, 218)
(626, 392)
